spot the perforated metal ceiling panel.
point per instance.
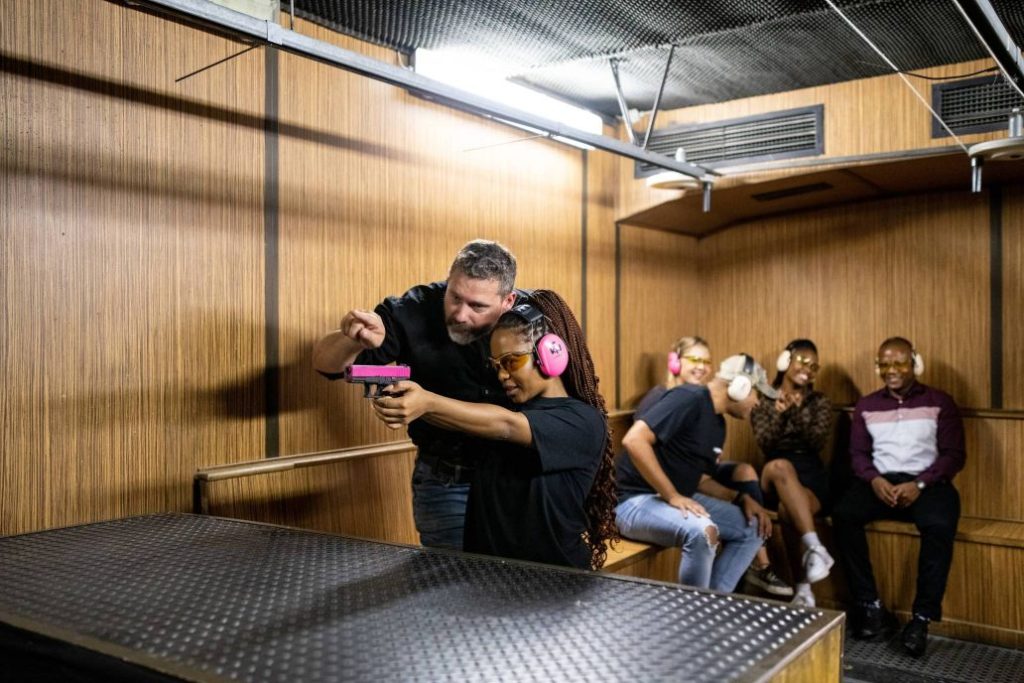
(725, 50)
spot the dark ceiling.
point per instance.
(724, 50)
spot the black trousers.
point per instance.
(935, 513)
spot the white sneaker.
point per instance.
(817, 563)
(804, 597)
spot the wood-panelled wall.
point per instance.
(171, 251)
(131, 265)
(848, 277)
(861, 117)
(658, 303)
(1013, 298)
(156, 322)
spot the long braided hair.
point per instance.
(581, 383)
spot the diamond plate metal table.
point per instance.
(203, 598)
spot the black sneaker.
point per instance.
(871, 620)
(915, 636)
(768, 581)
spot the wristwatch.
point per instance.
(920, 485)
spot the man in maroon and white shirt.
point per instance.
(906, 445)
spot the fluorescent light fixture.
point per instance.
(488, 80)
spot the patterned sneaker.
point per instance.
(767, 580)
(817, 563)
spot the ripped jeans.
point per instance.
(648, 518)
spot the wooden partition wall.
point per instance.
(172, 250)
(848, 277)
(868, 116)
(131, 264)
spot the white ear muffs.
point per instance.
(918, 364)
(740, 387)
(785, 358)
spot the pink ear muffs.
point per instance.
(552, 355)
(675, 365)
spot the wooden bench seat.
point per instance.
(981, 600)
(970, 530)
(643, 560)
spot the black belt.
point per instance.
(457, 472)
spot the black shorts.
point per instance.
(812, 475)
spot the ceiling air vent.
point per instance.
(973, 105)
(720, 144)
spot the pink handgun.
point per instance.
(373, 377)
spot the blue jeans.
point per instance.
(648, 518)
(438, 507)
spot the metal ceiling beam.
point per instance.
(657, 100)
(216, 18)
(627, 122)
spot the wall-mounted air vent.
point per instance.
(766, 137)
(973, 105)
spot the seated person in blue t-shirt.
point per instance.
(668, 451)
(548, 493)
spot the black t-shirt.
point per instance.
(415, 335)
(649, 399)
(689, 439)
(528, 503)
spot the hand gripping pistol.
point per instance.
(374, 377)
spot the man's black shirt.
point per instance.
(415, 335)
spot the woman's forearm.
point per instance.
(479, 419)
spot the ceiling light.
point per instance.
(671, 180)
(1010, 148)
(471, 73)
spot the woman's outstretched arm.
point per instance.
(408, 401)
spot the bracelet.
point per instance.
(738, 498)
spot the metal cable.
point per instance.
(899, 73)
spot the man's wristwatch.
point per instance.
(919, 484)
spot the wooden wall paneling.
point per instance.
(369, 497)
(379, 197)
(981, 579)
(601, 170)
(850, 276)
(990, 483)
(132, 261)
(976, 605)
(659, 302)
(1013, 296)
(865, 116)
(823, 661)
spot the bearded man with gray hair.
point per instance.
(441, 330)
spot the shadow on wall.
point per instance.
(303, 510)
(837, 384)
(647, 373)
(149, 97)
